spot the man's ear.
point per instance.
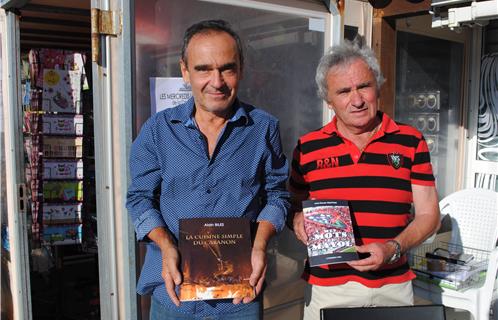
(184, 70)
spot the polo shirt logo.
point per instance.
(395, 160)
(329, 162)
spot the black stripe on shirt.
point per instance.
(344, 160)
(382, 159)
(401, 139)
(362, 232)
(422, 157)
(383, 207)
(362, 182)
(318, 144)
(422, 176)
(370, 275)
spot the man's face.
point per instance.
(213, 70)
(352, 94)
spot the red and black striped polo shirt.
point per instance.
(376, 182)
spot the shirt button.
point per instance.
(208, 191)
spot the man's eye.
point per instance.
(229, 71)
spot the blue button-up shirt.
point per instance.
(174, 178)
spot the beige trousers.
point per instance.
(354, 294)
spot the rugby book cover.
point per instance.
(216, 258)
(330, 232)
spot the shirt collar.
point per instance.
(184, 113)
(388, 125)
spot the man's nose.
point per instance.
(356, 98)
(217, 80)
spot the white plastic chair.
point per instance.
(474, 222)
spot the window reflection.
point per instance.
(428, 96)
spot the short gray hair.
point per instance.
(342, 54)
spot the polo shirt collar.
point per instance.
(388, 125)
(184, 113)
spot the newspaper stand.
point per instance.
(448, 271)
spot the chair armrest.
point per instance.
(490, 275)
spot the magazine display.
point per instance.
(216, 258)
(330, 232)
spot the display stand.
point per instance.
(60, 176)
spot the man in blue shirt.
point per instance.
(213, 156)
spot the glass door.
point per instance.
(430, 70)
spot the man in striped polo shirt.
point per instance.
(381, 167)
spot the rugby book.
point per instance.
(216, 258)
(330, 232)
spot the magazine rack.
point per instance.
(474, 223)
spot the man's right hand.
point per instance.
(170, 273)
(298, 224)
(171, 260)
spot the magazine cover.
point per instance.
(216, 258)
(330, 232)
(61, 91)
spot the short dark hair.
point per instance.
(207, 26)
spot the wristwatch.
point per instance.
(397, 252)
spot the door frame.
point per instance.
(14, 166)
(112, 100)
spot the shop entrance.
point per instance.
(57, 163)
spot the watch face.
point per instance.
(397, 253)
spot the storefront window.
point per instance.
(282, 52)
(428, 96)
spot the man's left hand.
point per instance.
(379, 254)
(258, 262)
